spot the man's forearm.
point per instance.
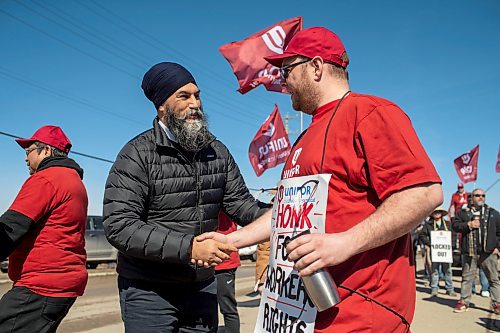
(397, 215)
(254, 233)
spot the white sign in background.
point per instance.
(300, 205)
(441, 250)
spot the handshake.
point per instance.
(210, 249)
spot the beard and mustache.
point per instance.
(192, 135)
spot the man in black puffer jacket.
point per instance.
(167, 186)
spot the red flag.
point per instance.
(498, 160)
(466, 165)
(246, 57)
(270, 146)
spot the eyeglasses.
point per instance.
(285, 70)
(480, 195)
(29, 150)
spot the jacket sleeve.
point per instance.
(13, 227)
(125, 214)
(238, 203)
(425, 236)
(460, 221)
(496, 217)
(35, 200)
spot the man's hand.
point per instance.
(210, 252)
(312, 252)
(212, 235)
(474, 224)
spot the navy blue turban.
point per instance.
(163, 79)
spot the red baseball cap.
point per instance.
(50, 135)
(312, 42)
(460, 185)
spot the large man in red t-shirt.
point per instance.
(43, 234)
(382, 185)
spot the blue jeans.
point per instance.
(485, 285)
(168, 307)
(447, 276)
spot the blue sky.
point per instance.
(79, 65)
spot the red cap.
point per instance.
(459, 185)
(50, 135)
(312, 42)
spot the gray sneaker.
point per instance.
(434, 292)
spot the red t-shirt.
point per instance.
(371, 151)
(458, 200)
(50, 260)
(227, 226)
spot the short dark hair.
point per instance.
(55, 151)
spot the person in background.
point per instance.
(263, 251)
(480, 229)
(459, 200)
(485, 285)
(261, 264)
(43, 234)
(225, 275)
(437, 222)
(417, 245)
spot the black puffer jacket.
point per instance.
(158, 197)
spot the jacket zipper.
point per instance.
(198, 185)
(198, 192)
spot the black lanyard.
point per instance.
(326, 134)
(328, 128)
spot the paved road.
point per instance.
(99, 306)
(98, 310)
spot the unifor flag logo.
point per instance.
(271, 145)
(246, 57)
(466, 165)
(498, 160)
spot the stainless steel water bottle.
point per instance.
(319, 286)
(321, 289)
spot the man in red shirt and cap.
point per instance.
(43, 234)
(459, 200)
(380, 184)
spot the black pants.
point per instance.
(173, 307)
(21, 310)
(227, 299)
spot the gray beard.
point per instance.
(192, 136)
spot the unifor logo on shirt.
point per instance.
(296, 156)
